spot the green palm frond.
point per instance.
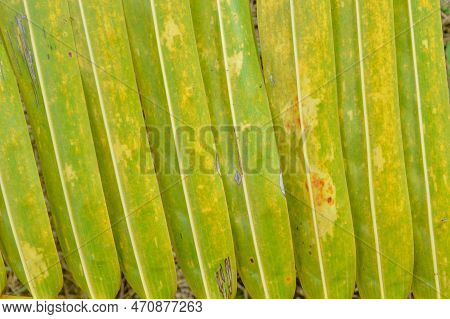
(372, 145)
(247, 142)
(298, 57)
(425, 115)
(30, 251)
(133, 197)
(174, 100)
(237, 98)
(50, 83)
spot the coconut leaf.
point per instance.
(133, 196)
(174, 100)
(237, 98)
(30, 251)
(150, 82)
(298, 58)
(372, 143)
(425, 114)
(39, 39)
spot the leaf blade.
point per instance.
(373, 150)
(133, 198)
(258, 209)
(295, 42)
(150, 81)
(30, 251)
(201, 233)
(70, 171)
(424, 110)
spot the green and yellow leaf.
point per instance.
(133, 196)
(372, 143)
(175, 104)
(29, 248)
(150, 82)
(298, 59)
(425, 115)
(39, 40)
(238, 98)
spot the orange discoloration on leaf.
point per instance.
(298, 58)
(324, 193)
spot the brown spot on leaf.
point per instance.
(324, 194)
(323, 189)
